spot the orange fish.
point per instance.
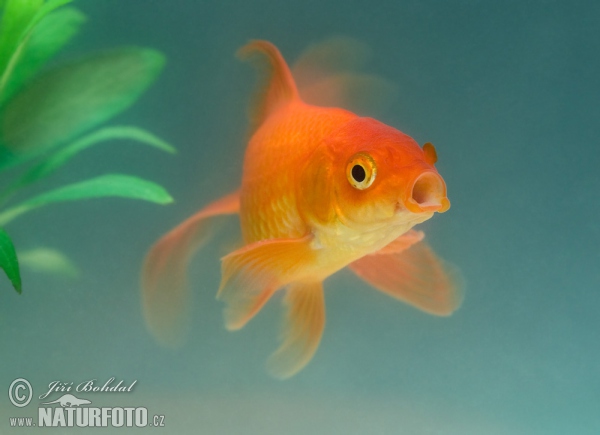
(322, 189)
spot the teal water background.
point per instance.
(507, 91)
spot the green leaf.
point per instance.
(9, 160)
(17, 16)
(8, 260)
(46, 260)
(66, 101)
(59, 158)
(47, 7)
(118, 185)
(18, 23)
(46, 39)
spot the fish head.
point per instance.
(381, 176)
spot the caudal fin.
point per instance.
(328, 74)
(165, 294)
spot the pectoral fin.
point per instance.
(415, 275)
(165, 295)
(402, 243)
(302, 329)
(253, 273)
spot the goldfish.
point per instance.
(322, 188)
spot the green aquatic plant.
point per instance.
(49, 115)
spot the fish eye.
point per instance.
(361, 171)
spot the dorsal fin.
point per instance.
(278, 85)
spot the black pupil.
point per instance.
(358, 173)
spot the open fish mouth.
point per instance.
(428, 194)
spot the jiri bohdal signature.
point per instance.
(91, 386)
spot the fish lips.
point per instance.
(427, 194)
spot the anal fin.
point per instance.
(302, 329)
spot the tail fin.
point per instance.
(165, 295)
(327, 74)
(278, 85)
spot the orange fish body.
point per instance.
(322, 188)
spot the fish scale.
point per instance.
(275, 155)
